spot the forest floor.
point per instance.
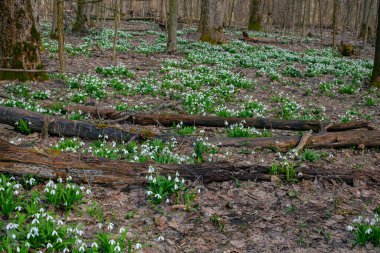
(290, 78)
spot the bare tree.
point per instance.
(53, 32)
(19, 39)
(172, 26)
(116, 17)
(376, 65)
(212, 21)
(79, 26)
(61, 43)
(255, 16)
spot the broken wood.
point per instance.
(53, 164)
(62, 127)
(341, 139)
(168, 119)
(249, 39)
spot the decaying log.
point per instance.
(61, 127)
(22, 161)
(167, 119)
(250, 39)
(341, 139)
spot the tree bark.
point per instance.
(212, 21)
(53, 32)
(61, 42)
(52, 164)
(255, 17)
(345, 139)
(80, 26)
(172, 26)
(116, 10)
(376, 66)
(19, 41)
(168, 119)
(364, 18)
(62, 127)
(335, 8)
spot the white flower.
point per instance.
(94, 245)
(121, 230)
(60, 222)
(117, 248)
(49, 245)
(349, 228)
(59, 180)
(169, 178)
(112, 242)
(13, 236)
(81, 248)
(88, 191)
(100, 225)
(138, 246)
(167, 201)
(110, 226)
(158, 196)
(149, 192)
(368, 231)
(65, 250)
(151, 169)
(175, 187)
(59, 240)
(160, 238)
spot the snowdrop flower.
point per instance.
(60, 180)
(112, 242)
(158, 196)
(110, 226)
(117, 248)
(121, 230)
(60, 222)
(59, 240)
(160, 239)
(151, 169)
(88, 191)
(167, 201)
(100, 225)
(94, 245)
(149, 193)
(169, 178)
(16, 192)
(349, 228)
(138, 246)
(81, 248)
(13, 236)
(49, 245)
(175, 187)
(368, 231)
(65, 250)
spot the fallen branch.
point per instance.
(61, 127)
(341, 139)
(51, 165)
(168, 119)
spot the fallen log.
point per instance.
(62, 127)
(51, 165)
(343, 139)
(168, 119)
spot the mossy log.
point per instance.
(23, 75)
(25, 161)
(168, 119)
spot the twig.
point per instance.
(303, 141)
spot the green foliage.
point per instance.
(310, 155)
(9, 195)
(285, 168)
(183, 130)
(366, 230)
(24, 127)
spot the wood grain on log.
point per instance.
(22, 161)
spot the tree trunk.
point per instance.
(364, 18)
(23, 161)
(116, 10)
(213, 21)
(255, 16)
(172, 26)
(376, 65)
(80, 26)
(53, 32)
(335, 7)
(19, 41)
(61, 42)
